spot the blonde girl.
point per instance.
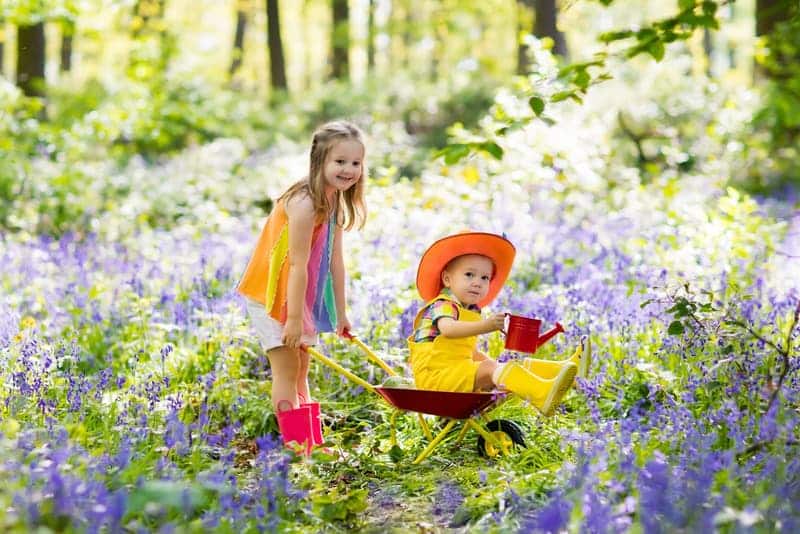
(294, 283)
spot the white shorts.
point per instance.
(268, 329)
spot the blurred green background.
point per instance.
(105, 81)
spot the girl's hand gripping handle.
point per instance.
(343, 325)
(292, 332)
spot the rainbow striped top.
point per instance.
(266, 277)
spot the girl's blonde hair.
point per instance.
(322, 141)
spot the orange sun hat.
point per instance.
(439, 254)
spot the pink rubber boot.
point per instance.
(316, 425)
(295, 426)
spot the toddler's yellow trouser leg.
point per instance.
(544, 393)
(550, 368)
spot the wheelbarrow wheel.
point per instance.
(507, 433)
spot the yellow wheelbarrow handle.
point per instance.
(370, 354)
(360, 381)
(335, 366)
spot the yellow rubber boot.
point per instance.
(543, 393)
(582, 357)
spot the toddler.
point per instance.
(457, 276)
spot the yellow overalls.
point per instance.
(445, 364)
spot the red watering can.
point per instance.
(522, 333)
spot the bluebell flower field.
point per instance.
(134, 396)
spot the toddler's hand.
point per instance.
(497, 321)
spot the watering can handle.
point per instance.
(504, 330)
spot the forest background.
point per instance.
(643, 157)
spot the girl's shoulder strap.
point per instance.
(334, 218)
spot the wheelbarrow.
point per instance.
(495, 437)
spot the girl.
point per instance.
(294, 282)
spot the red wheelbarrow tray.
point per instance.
(451, 404)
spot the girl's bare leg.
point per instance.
(302, 377)
(285, 365)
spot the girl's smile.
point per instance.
(343, 166)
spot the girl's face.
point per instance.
(343, 165)
(468, 278)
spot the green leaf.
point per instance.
(453, 153)
(576, 97)
(492, 148)
(168, 495)
(608, 37)
(685, 4)
(646, 34)
(561, 95)
(582, 79)
(536, 104)
(709, 8)
(676, 328)
(669, 36)
(656, 49)
(396, 453)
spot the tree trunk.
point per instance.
(371, 36)
(277, 65)
(395, 50)
(2, 46)
(67, 34)
(768, 14)
(731, 51)
(407, 27)
(309, 79)
(146, 11)
(340, 40)
(147, 28)
(546, 16)
(438, 49)
(30, 59)
(525, 10)
(237, 55)
(708, 48)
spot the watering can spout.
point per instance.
(544, 338)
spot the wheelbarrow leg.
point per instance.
(462, 433)
(425, 428)
(393, 422)
(433, 444)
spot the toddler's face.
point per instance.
(468, 278)
(343, 165)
